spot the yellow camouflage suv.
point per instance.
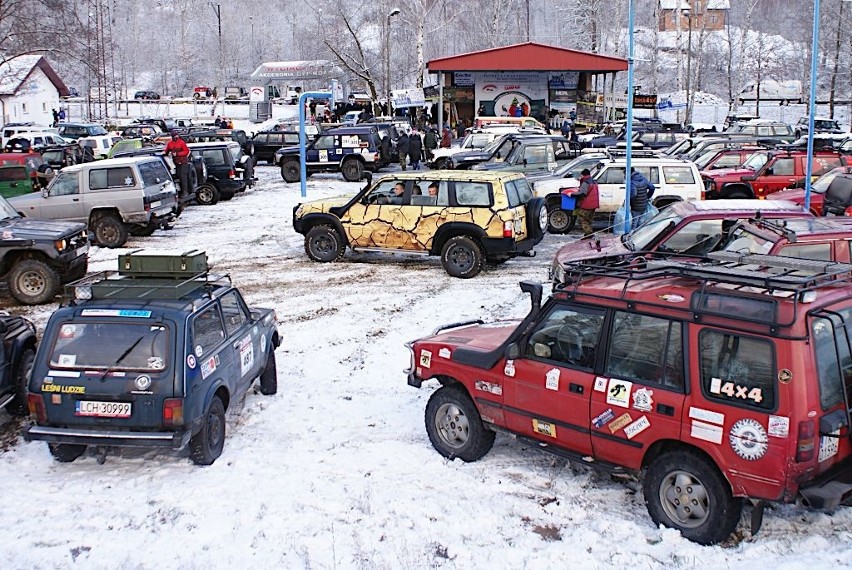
(468, 218)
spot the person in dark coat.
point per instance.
(385, 150)
(460, 127)
(641, 191)
(402, 148)
(415, 150)
(430, 143)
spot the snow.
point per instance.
(14, 71)
(336, 470)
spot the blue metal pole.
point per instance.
(629, 153)
(303, 170)
(812, 107)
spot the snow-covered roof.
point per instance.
(14, 72)
(685, 4)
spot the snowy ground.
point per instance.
(336, 470)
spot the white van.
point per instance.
(13, 130)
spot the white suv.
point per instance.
(473, 141)
(673, 179)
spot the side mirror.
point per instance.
(255, 316)
(769, 172)
(513, 351)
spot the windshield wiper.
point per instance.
(122, 357)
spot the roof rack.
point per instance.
(737, 274)
(113, 285)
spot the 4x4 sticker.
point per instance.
(748, 439)
(551, 379)
(544, 428)
(425, 359)
(735, 391)
(618, 393)
(643, 399)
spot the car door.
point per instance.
(216, 358)
(780, 173)
(552, 381)
(611, 189)
(377, 219)
(243, 338)
(321, 152)
(638, 399)
(64, 199)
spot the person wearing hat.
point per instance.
(180, 155)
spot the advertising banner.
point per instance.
(511, 94)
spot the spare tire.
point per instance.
(536, 219)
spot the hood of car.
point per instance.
(486, 337)
(26, 228)
(323, 204)
(796, 195)
(727, 173)
(470, 156)
(585, 249)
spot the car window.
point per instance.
(118, 177)
(13, 174)
(567, 335)
(612, 176)
(324, 142)
(207, 331)
(736, 369)
(646, 349)
(213, 157)
(784, 167)
(65, 184)
(765, 131)
(111, 345)
(833, 358)
(536, 154)
(823, 164)
(153, 172)
(261, 138)
(696, 238)
(473, 193)
(678, 175)
(820, 251)
(234, 312)
(781, 130)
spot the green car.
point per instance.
(15, 180)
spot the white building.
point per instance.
(29, 90)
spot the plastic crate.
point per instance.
(568, 202)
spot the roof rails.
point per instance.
(637, 153)
(738, 275)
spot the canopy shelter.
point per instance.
(523, 79)
(289, 72)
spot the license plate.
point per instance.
(103, 409)
(156, 204)
(829, 446)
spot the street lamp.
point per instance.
(688, 15)
(391, 14)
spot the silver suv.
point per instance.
(115, 197)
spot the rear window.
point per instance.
(678, 175)
(118, 177)
(518, 192)
(153, 172)
(110, 345)
(833, 353)
(473, 193)
(737, 370)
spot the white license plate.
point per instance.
(156, 204)
(103, 409)
(829, 446)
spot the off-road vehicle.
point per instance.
(348, 150)
(150, 356)
(472, 218)
(228, 169)
(715, 382)
(16, 354)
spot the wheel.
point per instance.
(206, 446)
(684, 491)
(738, 195)
(461, 257)
(109, 231)
(22, 378)
(560, 221)
(352, 170)
(290, 171)
(206, 194)
(455, 427)
(440, 164)
(144, 231)
(537, 219)
(33, 282)
(269, 378)
(323, 243)
(66, 452)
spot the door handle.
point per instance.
(75, 199)
(575, 388)
(665, 410)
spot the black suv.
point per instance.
(266, 143)
(151, 356)
(228, 171)
(498, 149)
(348, 150)
(37, 256)
(147, 95)
(16, 361)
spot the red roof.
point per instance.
(528, 57)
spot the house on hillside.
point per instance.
(698, 14)
(29, 90)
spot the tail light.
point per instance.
(232, 174)
(173, 412)
(35, 403)
(805, 444)
(508, 229)
(848, 211)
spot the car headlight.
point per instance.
(60, 244)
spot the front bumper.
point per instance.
(173, 440)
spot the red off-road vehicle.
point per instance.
(715, 381)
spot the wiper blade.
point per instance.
(122, 357)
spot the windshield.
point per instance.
(702, 161)
(646, 234)
(6, 210)
(756, 161)
(743, 241)
(494, 144)
(110, 345)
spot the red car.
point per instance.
(818, 190)
(684, 227)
